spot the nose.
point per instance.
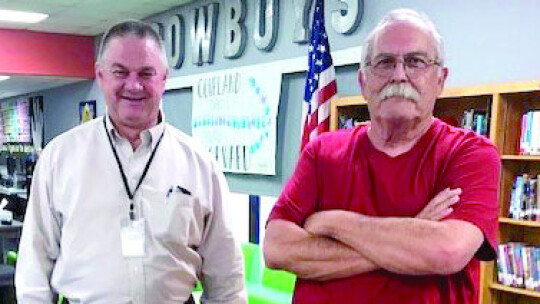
(133, 83)
(400, 74)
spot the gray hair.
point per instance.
(132, 27)
(404, 14)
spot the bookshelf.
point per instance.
(504, 105)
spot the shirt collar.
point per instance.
(154, 133)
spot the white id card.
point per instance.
(132, 235)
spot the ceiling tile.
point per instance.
(42, 6)
(82, 17)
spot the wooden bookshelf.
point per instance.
(513, 290)
(524, 223)
(505, 103)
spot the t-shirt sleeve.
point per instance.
(299, 198)
(475, 169)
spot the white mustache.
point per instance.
(404, 90)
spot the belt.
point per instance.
(189, 301)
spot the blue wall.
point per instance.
(486, 42)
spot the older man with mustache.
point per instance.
(401, 210)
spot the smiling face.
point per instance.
(390, 98)
(131, 75)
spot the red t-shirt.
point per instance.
(343, 170)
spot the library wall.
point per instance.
(486, 42)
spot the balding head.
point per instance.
(405, 15)
(132, 27)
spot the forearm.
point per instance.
(322, 259)
(289, 247)
(223, 267)
(34, 266)
(403, 245)
(39, 245)
(400, 245)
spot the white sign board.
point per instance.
(235, 117)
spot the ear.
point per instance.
(166, 74)
(99, 72)
(361, 80)
(442, 78)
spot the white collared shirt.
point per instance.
(71, 237)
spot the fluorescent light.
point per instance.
(2, 77)
(19, 16)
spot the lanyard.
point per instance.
(123, 174)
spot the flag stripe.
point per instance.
(324, 95)
(321, 79)
(327, 76)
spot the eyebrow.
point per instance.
(417, 53)
(117, 65)
(144, 68)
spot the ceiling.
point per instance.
(79, 17)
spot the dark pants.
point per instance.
(189, 301)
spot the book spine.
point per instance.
(518, 198)
(518, 254)
(523, 135)
(528, 138)
(536, 251)
(525, 197)
(525, 267)
(532, 198)
(502, 265)
(537, 199)
(535, 133)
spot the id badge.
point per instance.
(132, 235)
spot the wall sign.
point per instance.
(87, 111)
(16, 121)
(204, 18)
(235, 117)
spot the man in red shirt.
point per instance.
(401, 210)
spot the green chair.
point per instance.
(277, 288)
(197, 292)
(278, 279)
(252, 263)
(264, 285)
(11, 258)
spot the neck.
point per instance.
(133, 134)
(395, 137)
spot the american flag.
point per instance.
(321, 79)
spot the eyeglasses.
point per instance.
(414, 64)
(122, 74)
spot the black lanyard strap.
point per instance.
(121, 169)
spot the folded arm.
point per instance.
(288, 246)
(311, 253)
(410, 246)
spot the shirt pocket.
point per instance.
(174, 219)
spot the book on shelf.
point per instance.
(345, 122)
(518, 265)
(529, 140)
(524, 198)
(475, 120)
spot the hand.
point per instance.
(323, 223)
(439, 207)
(315, 223)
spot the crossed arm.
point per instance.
(337, 244)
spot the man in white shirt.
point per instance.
(126, 208)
